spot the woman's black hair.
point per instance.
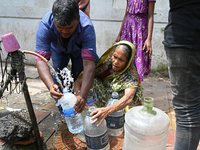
(126, 48)
(65, 11)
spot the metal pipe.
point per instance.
(22, 79)
(17, 65)
(46, 61)
(32, 116)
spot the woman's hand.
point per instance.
(99, 114)
(147, 46)
(55, 92)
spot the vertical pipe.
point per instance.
(32, 115)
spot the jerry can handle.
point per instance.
(93, 99)
(110, 91)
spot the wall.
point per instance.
(107, 17)
(22, 17)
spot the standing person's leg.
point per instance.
(184, 71)
(187, 138)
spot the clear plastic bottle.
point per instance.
(74, 121)
(146, 127)
(96, 137)
(90, 103)
(115, 121)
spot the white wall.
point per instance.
(22, 17)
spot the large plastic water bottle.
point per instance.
(146, 127)
(115, 121)
(74, 121)
(96, 137)
(90, 102)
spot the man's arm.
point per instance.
(87, 81)
(45, 75)
(43, 45)
(88, 55)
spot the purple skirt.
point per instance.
(135, 30)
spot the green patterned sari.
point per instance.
(118, 81)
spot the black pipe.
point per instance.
(32, 115)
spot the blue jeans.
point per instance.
(184, 72)
(187, 138)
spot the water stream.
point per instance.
(53, 72)
(65, 73)
(66, 76)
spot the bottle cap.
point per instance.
(65, 90)
(91, 108)
(114, 95)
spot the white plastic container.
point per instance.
(74, 121)
(146, 127)
(96, 137)
(90, 103)
(115, 121)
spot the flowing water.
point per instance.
(53, 72)
(66, 76)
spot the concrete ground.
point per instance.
(155, 86)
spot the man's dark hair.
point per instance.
(65, 11)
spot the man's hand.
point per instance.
(80, 104)
(46, 77)
(85, 85)
(55, 92)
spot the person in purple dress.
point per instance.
(137, 27)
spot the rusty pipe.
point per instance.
(36, 54)
(46, 61)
